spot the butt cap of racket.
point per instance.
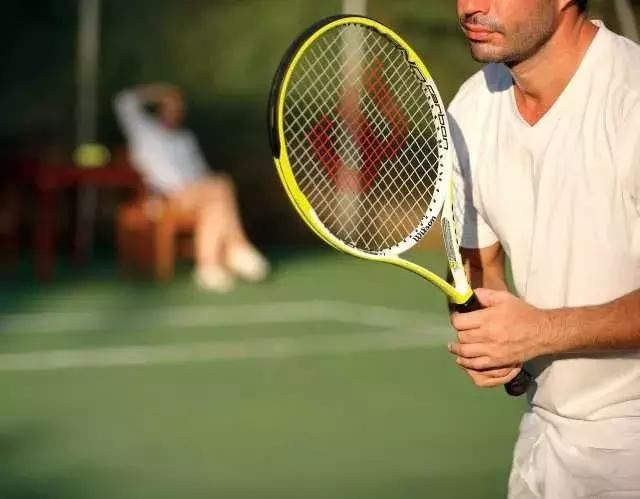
(519, 385)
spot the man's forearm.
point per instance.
(492, 278)
(608, 327)
(478, 276)
(485, 267)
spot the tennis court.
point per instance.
(330, 380)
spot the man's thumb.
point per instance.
(490, 297)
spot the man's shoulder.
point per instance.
(479, 89)
(624, 51)
(620, 69)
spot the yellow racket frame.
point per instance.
(460, 293)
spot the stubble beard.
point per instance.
(519, 44)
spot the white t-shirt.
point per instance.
(168, 159)
(563, 199)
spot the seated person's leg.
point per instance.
(210, 272)
(220, 238)
(239, 255)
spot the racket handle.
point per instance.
(518, 385)
(471, 305)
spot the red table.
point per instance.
(49, 182)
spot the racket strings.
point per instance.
(361, 138)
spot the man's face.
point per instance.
(507, 31)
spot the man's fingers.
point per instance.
(491, 297)
(476, 363)
(500, 372)
(470, 336)
(482, 362)
(466, 321)
(482, 380)
(468, 350)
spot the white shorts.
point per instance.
(559, 458)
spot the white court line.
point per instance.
(262, 348)
(215, 316)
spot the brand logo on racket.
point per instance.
(437, 110)
(358, 170)
(420, 233)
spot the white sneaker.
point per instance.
(214, 278)
(248, 263)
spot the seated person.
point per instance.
(170, 162)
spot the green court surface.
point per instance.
(331, 380)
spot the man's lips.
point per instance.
(477, 33)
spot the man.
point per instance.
(547, 137)
(170, 161)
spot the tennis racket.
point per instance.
(361, 143)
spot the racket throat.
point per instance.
(456, 269)
(460, 284)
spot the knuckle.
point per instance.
(455, 320)
(465, 336)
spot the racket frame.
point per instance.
(441, 204)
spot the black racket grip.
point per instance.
(518, 385)
(471, 305)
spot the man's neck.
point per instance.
(540, 79)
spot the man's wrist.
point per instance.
(559, 331)
(549, 327)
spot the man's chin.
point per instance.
(485, 53)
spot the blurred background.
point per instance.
(118, 377)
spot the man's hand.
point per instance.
(494, 342)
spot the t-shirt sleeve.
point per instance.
(472, 228)
(131, 115)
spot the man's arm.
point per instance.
(509, 331)
(612, 326)
(485, 268)
(129, 105)
(130, 112)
